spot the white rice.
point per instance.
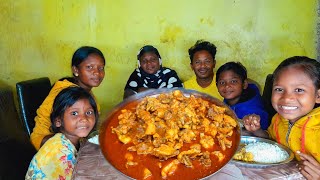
(266, 153)
(94, 139)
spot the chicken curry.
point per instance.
(170, 136)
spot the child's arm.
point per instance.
(309, 167)
(252, 124)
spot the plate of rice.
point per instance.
(260, 152)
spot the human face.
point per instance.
(90, 72)
(149, 62)
(294, 94)
(230, 86)
(78, 120)
(202, 64)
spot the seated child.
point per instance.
(243, 98)
(74, 114)
(296, 90)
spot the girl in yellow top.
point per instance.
(73, 116)
(88, 72)
(296, 91)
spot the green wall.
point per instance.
(38, 37)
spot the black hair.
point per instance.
(203, 45)
(66, 98)
(311, 67)
(236, 67)
(83, 52)
(148, 48)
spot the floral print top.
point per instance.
(55, 160)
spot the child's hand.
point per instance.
(309, 167)
(252, 122)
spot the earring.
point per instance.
(76, 74)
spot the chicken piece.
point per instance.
(178, 145)
(184, 156)
(203, 106)
(121, 129)
(242, 155)
(187, 135)
(144, 148)
(151, 128)
(164, 98)
(229, 134)
(178, 95)
(146, 173)
(248, 156)
(205, 159)
(137, 133)
(229, 120)
(157, 141)
(211, 113)
(161, 127)
(172, 134)
(224, 142)
(131, 163)
(184, 159)
(205, 124)
(195, 120)
(168, 115)
(218, 118)
(227, 142)
(152, 104)
(129, 158)
(144, 115)
(165, 152)
(142, 104)
(218, 109)
(189, 112)
(213, 130)
(194, 102)
(124, 139)
(160, 112)
(206, 141)
(219, 155)
(175, 105)
(196, 147)
(225, 130)
(169, 169)
(126, 117)
(132, 148)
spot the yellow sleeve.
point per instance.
(270, 129)
(42, 120)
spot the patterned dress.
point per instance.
(55, 160)
(164, 78)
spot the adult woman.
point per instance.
(88, 72)
(150, 73)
